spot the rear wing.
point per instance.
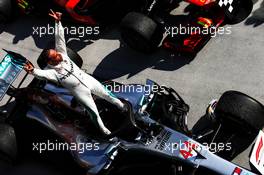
(10, 67)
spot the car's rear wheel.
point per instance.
(141, 32)
(241, 10)
(5, 10)
(74, 56)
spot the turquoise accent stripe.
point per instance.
(4, 65)
(142, 100)
(109, 92)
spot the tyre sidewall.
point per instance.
(141, 32)
(239, 111)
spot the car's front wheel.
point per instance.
(230, 125)
(240, 111)
(240, 117)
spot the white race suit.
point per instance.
(80, 84)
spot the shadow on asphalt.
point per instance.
(26, 26)
(118, 63)
(125, 61)
(22, 28)
(257, 17)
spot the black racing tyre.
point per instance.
(241, 10)
(75, 57)
(240, 111)
(5, 10)
(141, 32)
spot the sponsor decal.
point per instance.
(259, 148)
(257, 155)
(5, 64)
(162, 140)
(188, 151)
(8, 73)
(237, 171)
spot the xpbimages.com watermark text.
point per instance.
(63, 146)
(79, 31)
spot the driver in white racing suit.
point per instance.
(62, 70)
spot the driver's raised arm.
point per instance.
(60, 44)
(49, 74)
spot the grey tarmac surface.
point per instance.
(227, 62)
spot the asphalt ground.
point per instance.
(227, 62)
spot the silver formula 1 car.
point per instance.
(152, 137)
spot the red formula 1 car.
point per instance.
(145, 31)
(89, 12)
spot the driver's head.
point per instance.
(53, 57)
